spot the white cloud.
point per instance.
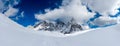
(11, 12)
(104, 7)
(2, 6)
(105, 20)
(6, 6)
(74, 9)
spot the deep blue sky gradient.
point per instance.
(31, 7)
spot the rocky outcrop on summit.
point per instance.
(59, 26)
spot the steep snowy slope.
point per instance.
(12, 34)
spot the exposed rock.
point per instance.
(59, 26)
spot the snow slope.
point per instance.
(12, 34)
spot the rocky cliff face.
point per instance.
(59, 26)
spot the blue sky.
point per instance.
(32, 7)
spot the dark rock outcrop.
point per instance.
(65, 28)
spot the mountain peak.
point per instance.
(59, 26)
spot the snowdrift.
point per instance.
(12, 34)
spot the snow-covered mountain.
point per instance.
(59, 26)
(12, 34)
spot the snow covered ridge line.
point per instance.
(57, 34)
(60, 26)
(70, 28)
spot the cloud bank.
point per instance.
(70, 9)
(77, 9)
(103, 7)
(104, 21)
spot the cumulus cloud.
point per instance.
(105, 20)
(69, 9)
(11, 12)
(103, 7)
(6, 6)
(77, 9)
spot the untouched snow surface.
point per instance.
(12, 34)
